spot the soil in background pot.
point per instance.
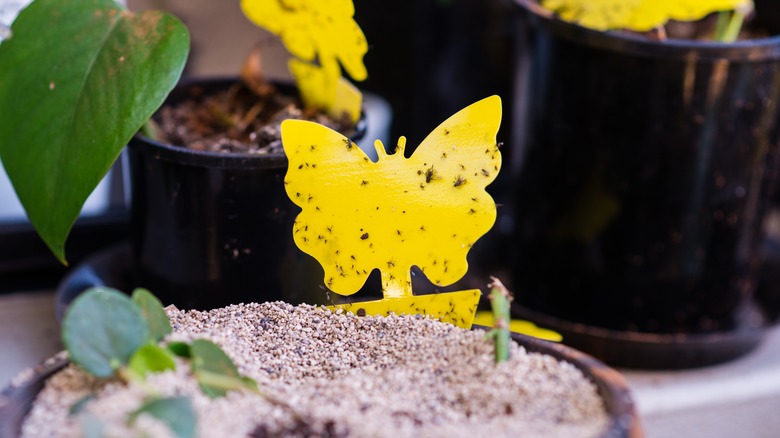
(234, 120)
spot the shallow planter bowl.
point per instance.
(16, 400)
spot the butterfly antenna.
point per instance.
(380, 149)
(401, 145)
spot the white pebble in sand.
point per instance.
(326, 374)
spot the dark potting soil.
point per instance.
(234, 120)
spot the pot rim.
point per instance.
(753, 50)
(612, 386)
(222, 160)
(655, 350)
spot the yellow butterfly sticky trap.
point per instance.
(636, 15)
(323, 31)
(426, 210)
(527, 328)
(456, 308)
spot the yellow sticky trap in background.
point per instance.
(527, 328)
(426, 211)
(317, 30)
(636, 15)
(336, 95)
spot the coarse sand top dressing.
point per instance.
(335, 374)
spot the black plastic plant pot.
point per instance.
(211, 229)
(643, 175)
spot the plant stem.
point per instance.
(729, 25)
(224, 382)
(720, 25)
(499, 301)
(127, 375)
(660, 32)
(151, 130)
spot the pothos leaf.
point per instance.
(77, 80)
(176, 412)
(102, 329)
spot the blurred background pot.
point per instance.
(643, 173)
(210, 229)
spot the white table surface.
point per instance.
(29, 332)
(737, 399)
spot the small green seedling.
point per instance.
(729, 24)
(111, 335)
(500, 299)
(215, 371)
(176, 412)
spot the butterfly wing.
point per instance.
(427, 210)
(453, 165)
(324, 178)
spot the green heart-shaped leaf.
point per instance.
(181, 349)
(91, 426)
(102, 329)
(215, 371)
(151, 358)
(80, 404)
(77, 80)
(176, 412)
(156, 320)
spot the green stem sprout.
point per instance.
(500, 300)
(729, 25)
